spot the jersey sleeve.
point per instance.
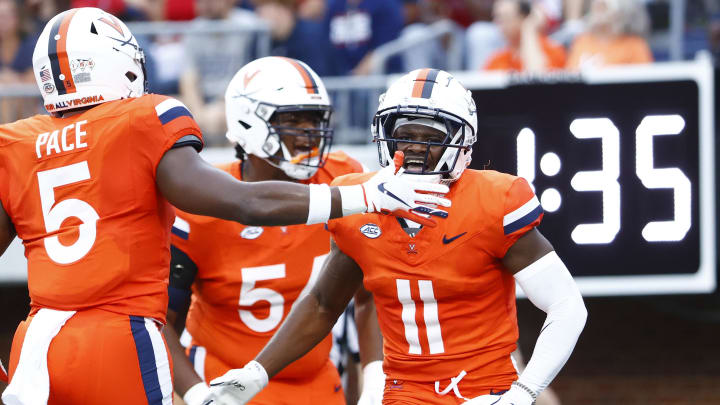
(166, 123)
(352, 179)
(522, 212)
(180, 237)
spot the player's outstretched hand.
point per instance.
(3, 373)
(238, 386)
(514, 396)
(388, 193)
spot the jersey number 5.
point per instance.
(55, 214)
(249, 295)
(430, 316)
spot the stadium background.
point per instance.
(637, 348)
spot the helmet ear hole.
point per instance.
(93, 30)
(131, 76)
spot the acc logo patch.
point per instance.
(251, 232)
(371, 230)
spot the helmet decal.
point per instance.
(248, 77)
(424, 83)
(85, 56)
(57, 52)
(114, 23)
(310, 84)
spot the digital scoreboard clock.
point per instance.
(623, 162)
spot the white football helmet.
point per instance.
(271, 85)
(438, 98)
(86, 56)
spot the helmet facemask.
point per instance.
(299, 150)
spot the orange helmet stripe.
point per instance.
(419, 82)
(57, 51)
(310, 84)
(424, 83)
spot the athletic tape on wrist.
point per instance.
(320, 204)
(353, 200)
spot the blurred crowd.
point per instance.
(346, 37)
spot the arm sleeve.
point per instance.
(550, 287)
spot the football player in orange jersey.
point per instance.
(244, 286)
(445, 296)
(88, 190)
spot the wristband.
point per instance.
(320, 204)
(196, 394)
(353, 200)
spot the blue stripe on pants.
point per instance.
(146, 357)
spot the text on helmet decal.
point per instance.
(75, 102)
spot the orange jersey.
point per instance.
(444, 301)
(507, 59)
(590, 51)
(81, 193)
(248, 277)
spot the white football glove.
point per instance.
(3, 374)
(198, 394)
(238, 386)
(388, 193)
(373, 384)
(514, 396)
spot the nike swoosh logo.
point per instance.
(383, 190)
(446, 240)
